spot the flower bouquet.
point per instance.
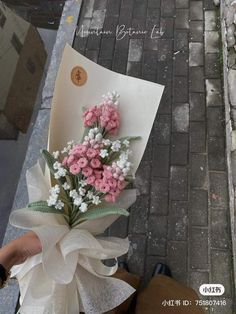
(91, 172)
(89, 186)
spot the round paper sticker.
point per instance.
(78, 76)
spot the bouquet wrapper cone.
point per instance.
(69, 276)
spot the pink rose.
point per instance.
(115, 192)
(90, 180)
(91, 153)
(75, 169)
(79, 150)
(87, 171)
(97, 183)
(89, 118)
(95, 163)
(113, 183)
(70, 160)
(104, 187)
(98, 174)
(111, 125)
(121, 185)
(82, 162)
(107, 174)
(97, 111)
(110, 118)
(121, 178)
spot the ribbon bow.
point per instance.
(68, 277)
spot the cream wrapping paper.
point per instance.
(69, 276)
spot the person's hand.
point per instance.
(17, 251)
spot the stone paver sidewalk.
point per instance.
(181, 216)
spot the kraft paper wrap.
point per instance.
(69, 276)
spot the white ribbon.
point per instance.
(69, 277)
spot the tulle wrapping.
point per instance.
(69, 276)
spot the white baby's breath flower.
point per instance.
(74, 194)
(66, 186)
(103, 153)
(77, 201)
(96, 200)
(64, 150)
(112, 97)
(91, 135)
(55, 189)
(56, 165)
(92, 142)
(116, 146)
(98, 137)
(121, 164)
(82, 191)
(56, 154)
(59, 205)
(106, 142)
(90, 195)
(123, 156)
(83, 207)
(56, 175)
(129, 164)
(83, 183)
(52, 200)
(125, 171)
(68, 147)
(71, 143)
(60, 173)
(126, 143)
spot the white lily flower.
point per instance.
(106, 142)
(116, 146)
(90, 195)
(82, 183)
(56, 165)
(103, 153)
(59, 205)
(55, 189)
(96, 200)
(126, 143)
(74, 194)
(77, 201)
(82, 191)
(66, 186)
(83, 207)
(56, 154)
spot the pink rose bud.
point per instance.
(95, 163)
(87, 171)
(75, 169)
(82, 162)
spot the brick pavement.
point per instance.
(181, 216)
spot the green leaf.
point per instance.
(100, 212)
(43, 207)
(50, 160)
(39, 203)
(49, 210)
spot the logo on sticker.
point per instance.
(79, 76)
(212, 289)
